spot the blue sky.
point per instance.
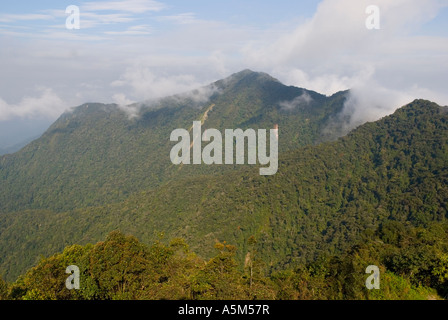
(133, 50)
(259, 13)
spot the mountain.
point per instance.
(17, 146)
(98, 154)
(123, 268)
(324, 198)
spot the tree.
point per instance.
(3, 289)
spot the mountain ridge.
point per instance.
(321, 201)
(99, 153)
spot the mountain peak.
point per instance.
(420, 107)
(245, 77)
(247, 73)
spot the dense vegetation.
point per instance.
(97, 155)
(376, 196)
(321, 201)
(411, 261)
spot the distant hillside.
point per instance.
(99, 154)
(16, 147)
(322, 200)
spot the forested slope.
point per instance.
(322, 201)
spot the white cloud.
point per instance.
(121, 100)
(337, 35)
(132, 31)
(46, 104)
(151, 88)
(298, 102)
(334, 51)
(329, 52)
(133, 6)
(90, 19)
(200, 95)
(24, 17)
(131, 108)
(145, 84)
(337, 30)
(181, 18)
(370, 101)
(325, 83)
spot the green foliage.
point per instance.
(321, 201)
(219, 279)
(121, 267)
(395, 287)
(96, 154)
(376, 196)
(3, 289)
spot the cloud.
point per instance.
(193, 92)
(370, 102)
(93, 14)
(199, 95)
(24, 17)
(131, 108)
(298, 102)
(47, 104)
(144, 84)
(91, 19)
(334, 51)
(326, 83)
(121, 100)
(132, 31)
(181, 18)
(337, 31)
(151, 88)
(328, 52)
(133, 6)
